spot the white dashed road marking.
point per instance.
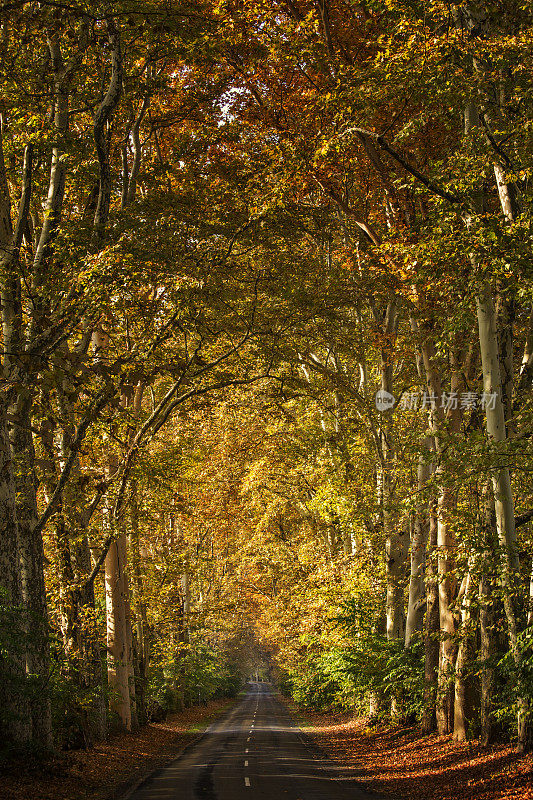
(247, 781)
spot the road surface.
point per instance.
(255, 752)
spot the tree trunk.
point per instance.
(486, 617)
(462, 711)
(503, 497)
(31, 554)
(141, 619)
(530, 609)
(14, 708)
(497, 363)
(101, 118)
(447, 592)
(431, 627)
(495, 417)
(130, 654)
(415, 608)
(395, 548)
(117, 640)
(395, 553)
(186, 592)
(77, 600)
(486, 621)
(446, 549)
(117, 637)
(374, 706)
(395, 533)
(91, 673)
(137, 152)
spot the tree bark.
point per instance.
(31, 554)
(487, 584)
(530, 608)
(503, 496)
(431, 626)
(141, 618)
(137, 151)
(117, 638)
(53, 207)
(15, 714)
(91, 672)
(415, 607)
(130, 654)
(16, 720)
(462, 710)
(101, 118)
(395, 535)
(446, 549)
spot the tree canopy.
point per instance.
(267, 360)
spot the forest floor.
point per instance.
(403, 764)
(108, 770)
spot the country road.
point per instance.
(256, 751)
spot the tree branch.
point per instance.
(102, 117)
(382, 142)
(92, 413)
(523, 518)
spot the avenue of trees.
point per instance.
(232, 236)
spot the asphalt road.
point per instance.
(255, 752)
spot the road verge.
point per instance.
(112, 769)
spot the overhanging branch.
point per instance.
(382, 142)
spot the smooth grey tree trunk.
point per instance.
(142, 630)
(117, 640)
(118, 672)
(15, 717)
(420, 529)
(445, 549)
(501, 482)
(431, 626)
(462, 710)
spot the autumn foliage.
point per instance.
(227, 229)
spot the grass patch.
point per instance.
(201, 725)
